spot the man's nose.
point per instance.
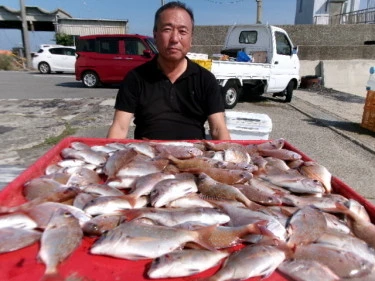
(175, 36)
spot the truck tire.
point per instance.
(289, 91)
(90, 79)
(231, 93)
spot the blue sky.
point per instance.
(140, 13)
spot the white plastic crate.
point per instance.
(248, 126)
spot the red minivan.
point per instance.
(107, 58)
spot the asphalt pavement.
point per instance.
(30, 127)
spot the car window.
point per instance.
(70, 52)
(248, 37)
(283, 46)
(134, 46)
(86, 45)
(108, 46)
(57, 51)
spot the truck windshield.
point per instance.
(151, 42)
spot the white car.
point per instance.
(55, 58)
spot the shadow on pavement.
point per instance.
(80, 85)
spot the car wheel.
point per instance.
(231, 93)
(44, 68)
(90, 79)
(289, 92)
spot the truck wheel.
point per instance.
(231, 93)
(289, 92)
(90, 79)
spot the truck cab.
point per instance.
(272, 50)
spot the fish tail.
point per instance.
(132, 199)
(131, 214)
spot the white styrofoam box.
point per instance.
(197, 56)
(248, 126)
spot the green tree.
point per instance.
(64, 39)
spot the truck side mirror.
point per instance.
(147, 53)
(295, 50)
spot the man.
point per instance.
(170, 96)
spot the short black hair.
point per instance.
(173, 5)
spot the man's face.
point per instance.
(174, 34)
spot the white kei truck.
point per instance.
(273, 67)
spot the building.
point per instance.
(322, 11)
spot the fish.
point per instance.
(188, 201)
(101, 189)
(136, 241)
(117, 160)
(293, 182)
(168, 190)
(283, 154)
(317, 172)
(174, 216)
(143, 148)
(177, 151)
(258, 191)
(223, 175)
(83, 176)
(17, 220)
(140, 167)
(82, 199)
(362, 228)
(222, 146)
(214, 189)
(299, 230)
(307, 270)
(41, 186)
(251, 261)
(236, 156)
(272, 144)
(60, 239)
(43, 212)
(102, 223)
(343, 263)
(87, 155)
(349, 243)
(239, 215)
(325, 202)
(113, 204)
(13, 239)
(182, 263)
(144, 184)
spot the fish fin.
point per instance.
(131, 214)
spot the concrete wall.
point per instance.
(315, 42)
(348, 76)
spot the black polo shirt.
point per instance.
(167, 111)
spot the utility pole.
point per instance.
(259, 11)
(25, 35)
(162, 2)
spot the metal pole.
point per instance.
(259, 11)
(162, 2)
(25, 35)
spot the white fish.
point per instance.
(168, 190)
(17, 220)
(135, 241)
(307, 270)
(344, 264)
(113, 204)
(61, 237)
(183, 263)
(175, 216)
(251, 261)
(12, 239)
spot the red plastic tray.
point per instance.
(23, 264)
